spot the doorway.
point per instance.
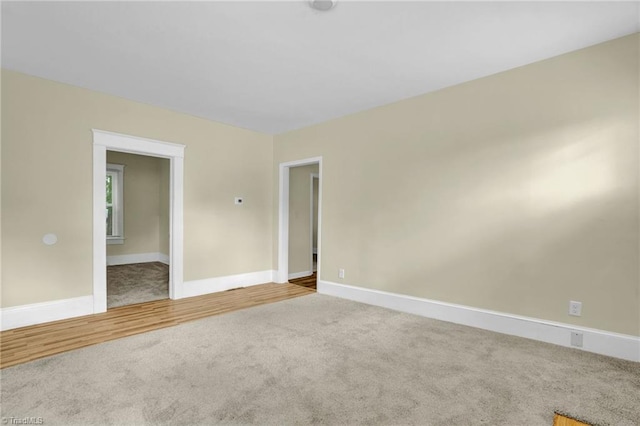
(315, 193)
(302, 215)
(286, 216)
(137, 228)
(103, 141)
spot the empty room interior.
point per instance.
(138, 268)
(328, 212)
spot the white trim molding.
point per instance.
(302, 274)
(127, 259)
(103, 141)
(137, 145)
(282, 275)
(38, 313)
(598, 341)
(229, 282)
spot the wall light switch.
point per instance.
(238, 200)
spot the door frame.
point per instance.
(282, 274)
(104, 141)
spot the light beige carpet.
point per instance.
(137, 283)
(318, 359)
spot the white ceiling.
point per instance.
(277, 66)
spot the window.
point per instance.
(114, 204)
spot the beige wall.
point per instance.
(47, 187)
(1, 188)
(300, 218)
(516, 192)
(145, 198)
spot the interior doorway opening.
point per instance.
(300, 222)
(137, 221)
(315, 194)
(174, 153)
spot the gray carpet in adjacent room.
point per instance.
(137, 283)
(318, 359)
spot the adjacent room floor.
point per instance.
(310, 282)
(137, 283)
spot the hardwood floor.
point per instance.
(560, 420)
(309, 282)
(37, 341)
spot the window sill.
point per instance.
(115, 240)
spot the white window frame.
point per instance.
(117, 202)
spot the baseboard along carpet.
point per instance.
(319, 359)
(137, 283)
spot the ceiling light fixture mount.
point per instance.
(322, 5)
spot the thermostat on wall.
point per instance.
(239, 200)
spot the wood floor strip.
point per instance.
(310, 282)
(560, 420)
(37, 341)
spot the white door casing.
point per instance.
(103, 141)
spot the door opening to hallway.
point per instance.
(303, 209)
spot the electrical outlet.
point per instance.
(575, 308)
(340, 273)
(576, 339)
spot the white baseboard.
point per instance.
(37, 313)
(598, 341)
(126, 259)
(213, 285)
(300, 274)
